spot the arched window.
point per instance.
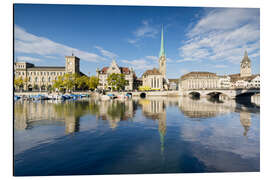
(36, 79)
(42, 79)
(49, 79)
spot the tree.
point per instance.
(82, 82)
(69, 81)
(58, 84)
(117, 81)
(18, 82)
(25, 81)
(93, 82)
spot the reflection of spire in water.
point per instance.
(162, 130)
(245, 119)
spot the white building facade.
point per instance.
(104, 73)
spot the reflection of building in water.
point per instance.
(203, 108)
(29, 114)
(115, 111)
(155, 109)
(256, 99)
(245, 119)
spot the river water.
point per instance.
(156, 135)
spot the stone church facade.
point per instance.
(156, 78)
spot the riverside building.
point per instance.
(208, 80)
(42, 77)
(104, 73)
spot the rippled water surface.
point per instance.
(158, 135)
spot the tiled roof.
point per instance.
(104, 70)
(198, 74)
(124, 70)
(236, 77)
(153, 71)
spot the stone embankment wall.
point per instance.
(149, 93)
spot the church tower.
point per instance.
(162, 57)
(245, 69)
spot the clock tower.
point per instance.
(72, 64)
(245, 66)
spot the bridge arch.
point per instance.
(194, 94)
(143, 95)
(217, 94)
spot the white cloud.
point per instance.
(51, 57)
(184, 71)
(154, 58)
(224, 19)
(220, 66)
(132, 41)
(106, 53)
(145, 30)
(31, 44)
(139, 64)
(223, 35)
(26, 58)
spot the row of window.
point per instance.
(42, 79)
(42, 73)
(20, 66)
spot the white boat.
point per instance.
(105, 97)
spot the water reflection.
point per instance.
(223, 136)
(27, 115)
(245, 119)
(155, 109)
(114, 111)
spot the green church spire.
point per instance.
(162, 51)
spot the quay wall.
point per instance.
(134, 93)
(148, 93)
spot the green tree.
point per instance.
(117, 81)
(82, 82)
(93, 82)
(18, 83)
(69, 81)
(25, 81)
(58, 83)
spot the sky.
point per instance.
(195, 39)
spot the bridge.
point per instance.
(223, 93)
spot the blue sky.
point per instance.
(196, 39)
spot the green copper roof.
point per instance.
(162, 51)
